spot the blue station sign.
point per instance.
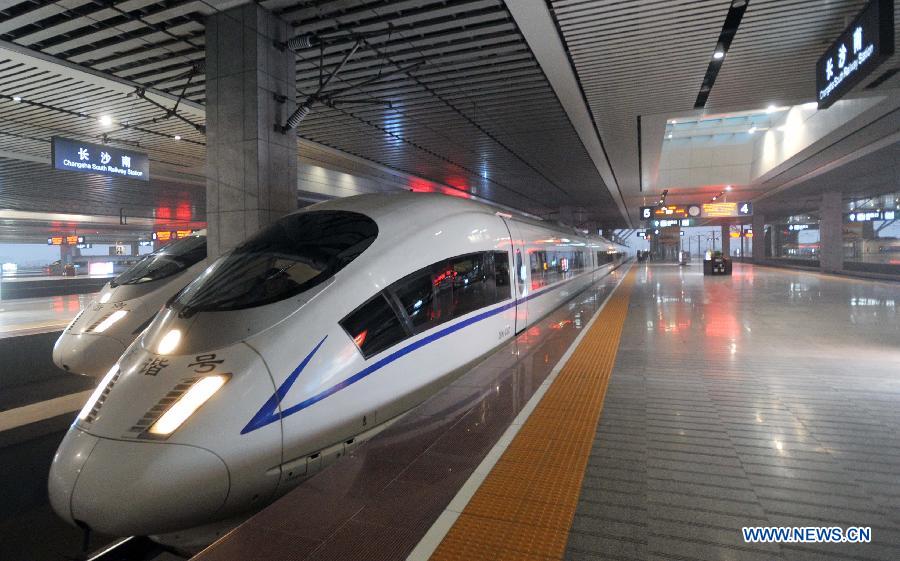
(74, 155)
(865, 44)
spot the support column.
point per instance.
(759, 238)
(66, 253)
(726, 240)
(831, 238)
(251, 168)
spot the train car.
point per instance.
(306, 340)
(99, 334)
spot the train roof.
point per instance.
(422, 209)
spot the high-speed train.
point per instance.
(99, 334)
(302, 342)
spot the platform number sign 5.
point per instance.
(745, 209)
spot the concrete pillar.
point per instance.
(831, 237)
(726, 240)
(65, 253)
(251, 168)
(759, 237)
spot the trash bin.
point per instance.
(717, 264)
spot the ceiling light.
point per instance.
(771, 109)
(105, 120)
(810, 105)
(17, 99)
(177, 137)
(669, 136)
(715, 197)
(674, 122)
(718, 55)
(728, 187)
(752, 129)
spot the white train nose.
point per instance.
(127, 488)
(67, 465)
(87, 353)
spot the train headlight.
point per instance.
(169, 342)
(113, 318)
(99, 391)
(187, 404)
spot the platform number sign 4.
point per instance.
(745, 209)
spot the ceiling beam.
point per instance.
(74, 71)
(539, 29)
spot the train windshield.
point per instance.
(289, 257)
(165, 262)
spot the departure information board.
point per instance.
(670, 211)
(727, 210)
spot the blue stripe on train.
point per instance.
(268, 413)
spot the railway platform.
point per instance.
(657, 426)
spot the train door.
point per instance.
(520, 269)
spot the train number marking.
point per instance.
(153, 366)
(205, 363)
(505, 332)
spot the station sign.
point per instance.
(727, 210)
(865, 43)
(870, 215)
(74, 155)
(665, 223)
(801, 227)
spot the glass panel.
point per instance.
(871, 232)
(165, 262)
(520, 272)
(287, 258)
(796, 237)
(501, 276)
(374, 326)
(446, 290)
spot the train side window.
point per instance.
(501, 275)
(374, 326)
(445, 290)
(520, 272)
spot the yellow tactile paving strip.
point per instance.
(524, 508)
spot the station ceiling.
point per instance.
(477, 112)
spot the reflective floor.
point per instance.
(770, 398)
(36, 315)
(378, 502)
